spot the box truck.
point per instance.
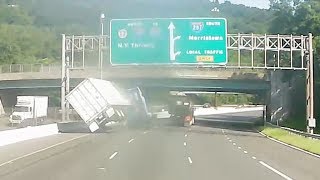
(98, 102)
(29, 107)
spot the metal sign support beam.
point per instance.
(63, 79)
(67, 87)
(290, 53)
(311, 122)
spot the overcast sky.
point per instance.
(255, 3)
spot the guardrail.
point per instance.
(300, 133)
(27, 68)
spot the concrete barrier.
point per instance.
(18, 135)
(224, 110)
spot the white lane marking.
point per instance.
(41, 150)
(102, 168)
(190, 161)
(239, 147)
(186, 135)
(230, 140)
(276, 171)
(185, 144)
(254, 157)
(246, 152)
(222, 131)
(131, 140)
(113, 155)
(145, 132)
(234, 144)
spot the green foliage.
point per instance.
(30, 30)
(225, 99)
(242, 19)
(14, 15)
(308, 144)
(300, 18)
(21, 41)
(26, 44)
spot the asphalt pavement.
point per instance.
(204, 151)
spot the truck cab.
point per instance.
(181, 109)
(21, 112)
(139, 114)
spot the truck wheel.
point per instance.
(22, 124)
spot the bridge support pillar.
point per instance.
(267, 108)
(215, 100)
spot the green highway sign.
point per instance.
(168, 41)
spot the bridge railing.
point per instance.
(25, 68)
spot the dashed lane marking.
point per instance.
(190, 160)
(113, 155)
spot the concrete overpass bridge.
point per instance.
(39, 79)
(186, 78)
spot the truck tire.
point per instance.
(23, 124)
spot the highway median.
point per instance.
(305, 143)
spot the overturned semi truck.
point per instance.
(98, 102)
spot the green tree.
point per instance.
(300, 18)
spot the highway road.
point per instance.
(204, 151)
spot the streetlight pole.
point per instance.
(102, 17)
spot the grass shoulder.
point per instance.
(308, 144)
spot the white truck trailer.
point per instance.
(97, 102)
(29, 107)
